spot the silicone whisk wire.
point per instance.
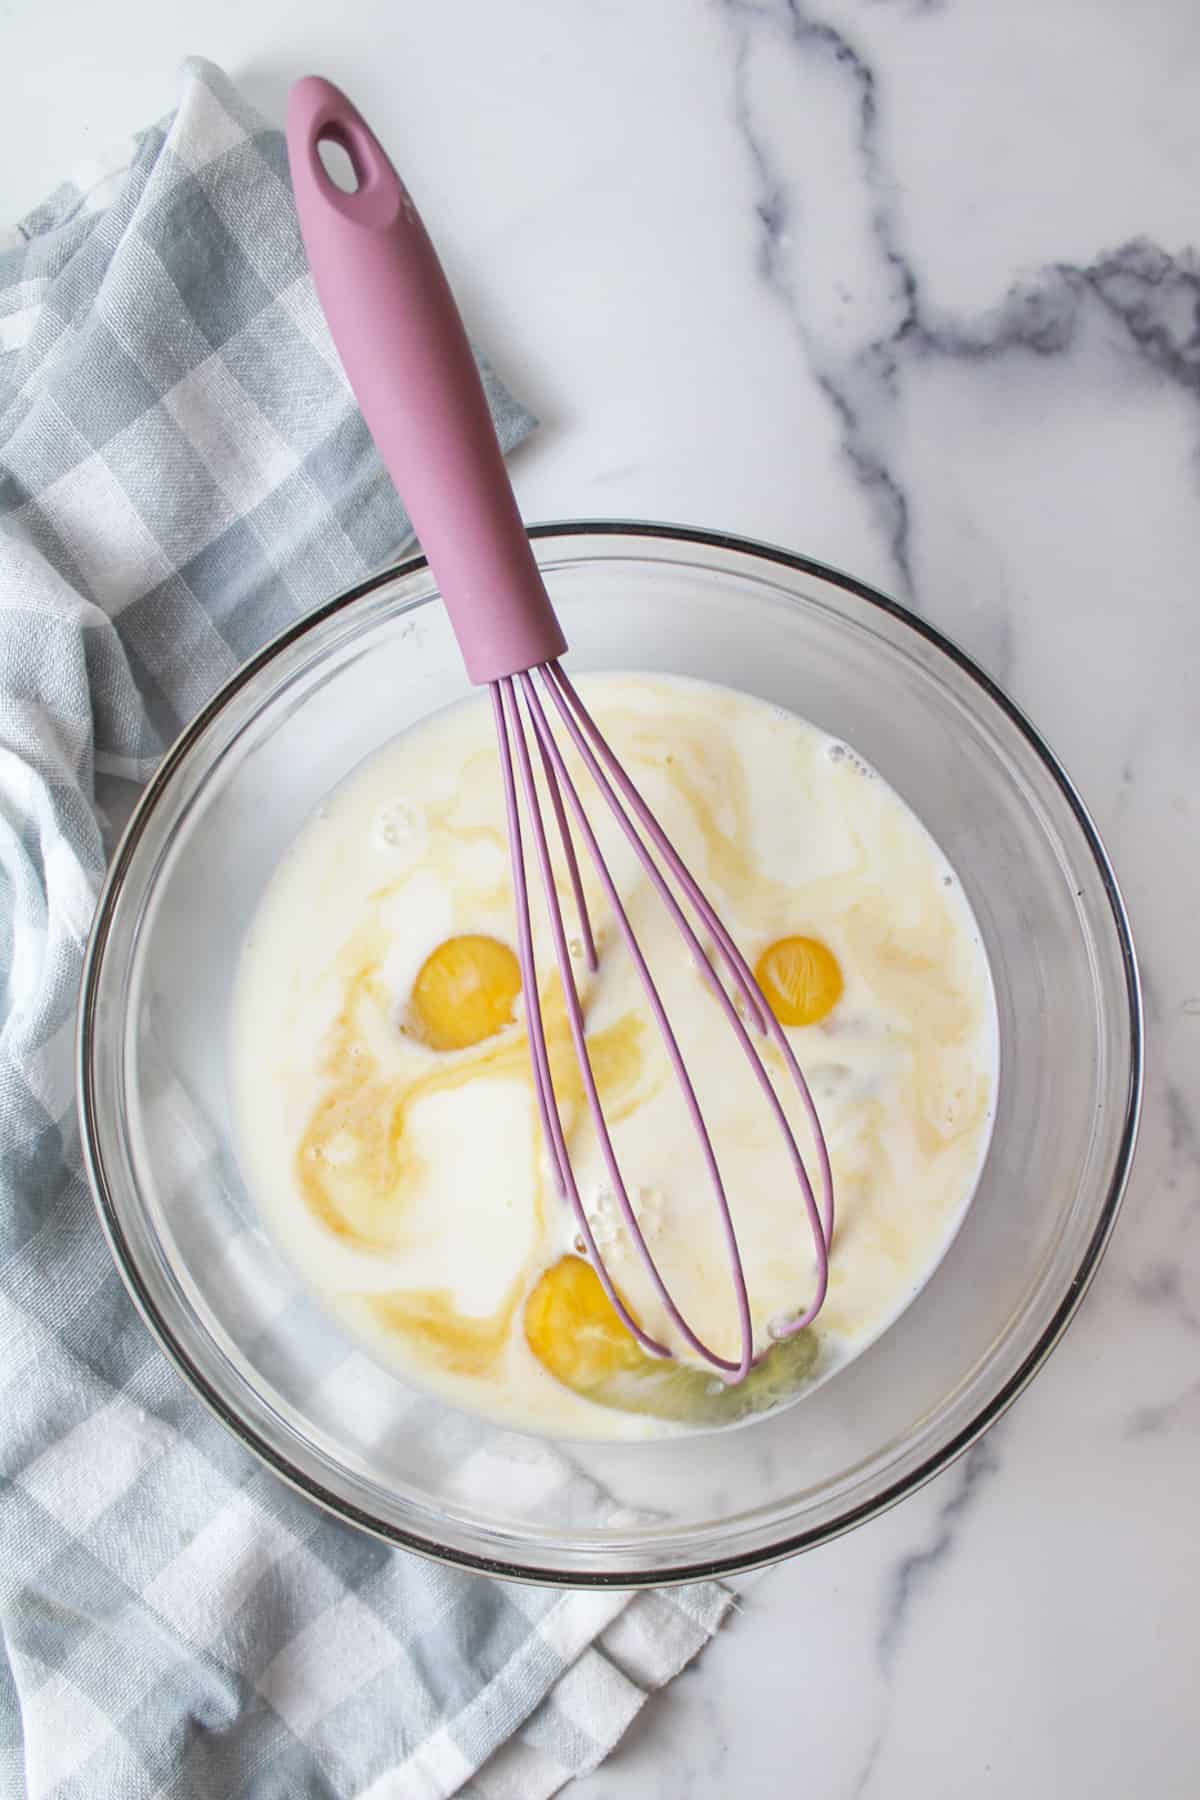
(521, 711)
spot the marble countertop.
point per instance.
(906, 285)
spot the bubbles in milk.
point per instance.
(607, 1221)
(400, 828)
(838, 752)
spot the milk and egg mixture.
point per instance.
(384, 1102)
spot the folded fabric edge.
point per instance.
(588, 1711)
(619, 1647)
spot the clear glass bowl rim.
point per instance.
(789, 1544)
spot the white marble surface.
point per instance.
(907, 286)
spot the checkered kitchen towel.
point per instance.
(182, 472)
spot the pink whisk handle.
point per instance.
(403, 346)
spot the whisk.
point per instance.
(397, 329)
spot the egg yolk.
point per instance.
(801, 980)
(465, 991)
(574, 1330)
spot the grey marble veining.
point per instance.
(916, 1569)
(859, 353)
(856, 379)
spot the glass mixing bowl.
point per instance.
(355, 1436)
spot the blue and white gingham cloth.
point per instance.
(182, 472)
